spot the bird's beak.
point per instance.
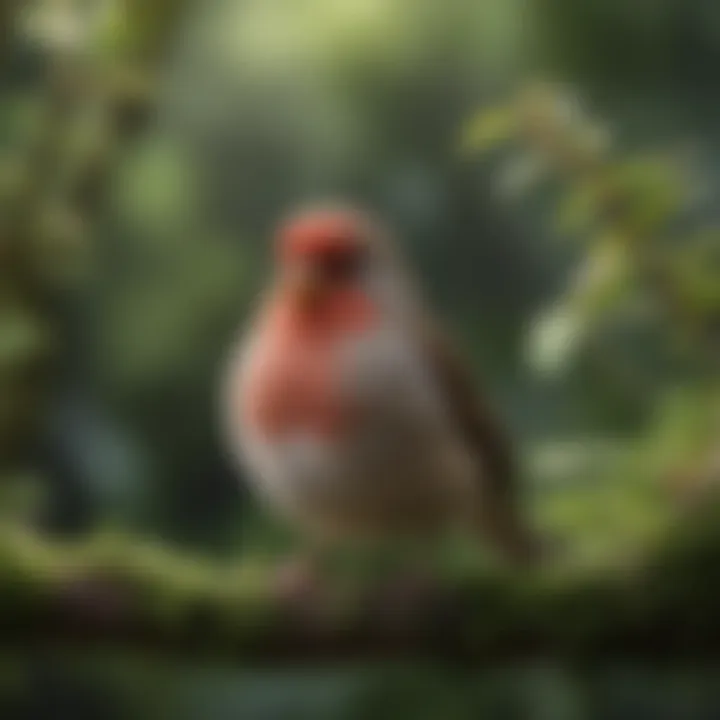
(305, 283)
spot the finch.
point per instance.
(351, 412)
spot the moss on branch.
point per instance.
(115, 591)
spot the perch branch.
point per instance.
(119, 592)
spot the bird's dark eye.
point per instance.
(344, 266)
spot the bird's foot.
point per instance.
(400, 603)
(298, 580)
(411, 585)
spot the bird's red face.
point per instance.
(320, 299)
(322, 255)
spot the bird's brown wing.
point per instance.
(498, 514)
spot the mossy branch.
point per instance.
(114, 591)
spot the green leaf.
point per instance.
(651, 190)
(696, 271)
(555, 336)
(685, 423)
(600, 285)
(603, 279)
(22, 338)
(579, 209)
(488, 129)
(522, 174)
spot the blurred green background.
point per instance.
(148, 147)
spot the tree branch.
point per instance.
(114, 591)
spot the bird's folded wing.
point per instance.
(499, 516)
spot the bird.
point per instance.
(350, 410)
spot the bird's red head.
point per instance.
(320, 250)
(321, 235)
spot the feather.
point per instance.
(498, 515)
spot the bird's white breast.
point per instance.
(402, 445)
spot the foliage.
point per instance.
(625, 211)
(52, 187)
(642, 263)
